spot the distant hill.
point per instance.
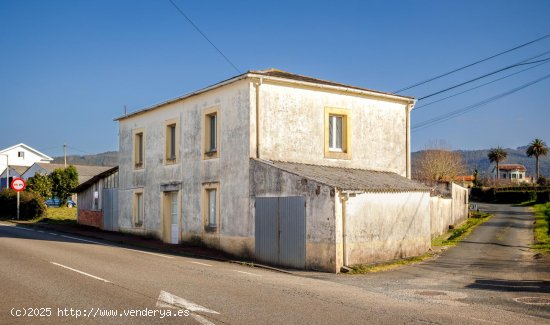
(109, 158)
(478, 159)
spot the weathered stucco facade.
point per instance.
(269, 116)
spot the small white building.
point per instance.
(286, 169)
(514, 173)
(19, 157)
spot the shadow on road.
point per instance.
(493, 243)
(511, 285)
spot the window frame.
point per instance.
(345, 152)
(21, 154)
(207, 188)
(168, 160)
(136, 164)
(207, 133)
(139, 193)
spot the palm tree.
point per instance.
(496, 155)
(537, 148)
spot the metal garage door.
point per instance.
(281, 231)
(110, 209)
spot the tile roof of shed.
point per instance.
(85, 172)
(351, 179)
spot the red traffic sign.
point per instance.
(18, 184)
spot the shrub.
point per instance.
(515, 196)
(543, 196)
(31, 205)
(543, 181)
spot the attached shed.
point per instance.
(340, 216)
(98, 200)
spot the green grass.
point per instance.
(379, 267)
(454, 236)
(526, 204)
(61, 215)
(542, 235)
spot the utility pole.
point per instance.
(65, 154)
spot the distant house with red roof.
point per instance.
(464, 180)
(512, 172)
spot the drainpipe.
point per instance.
(257, 86)
(408, 137)
(344, 199)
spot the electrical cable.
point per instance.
(471, 64)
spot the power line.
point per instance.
(458, 112)
(203, 35)
(471, 64)
(476, 87)
(524, 62)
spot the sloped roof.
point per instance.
(44, 156)
(464, 178)
(509, 167)
(84, 172)
(19, 169)
(269, 74)
(351, 179)
(93, 179)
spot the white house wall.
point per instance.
(29, 157)
(386, 226)
(292, 128)
(231, 169)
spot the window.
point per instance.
(211, 143)
(172, 142)
(211, 207)
(337, 135)
(138, 208)
(504, 176)
(520, 176)
(21, 154)
(138, 150)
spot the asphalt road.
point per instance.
(80, 279)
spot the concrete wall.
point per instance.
(386, 226)
(231, 169)
(292, 128)
(268, 181)
(448, 211)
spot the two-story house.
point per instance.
(282, 168)
(19, 157)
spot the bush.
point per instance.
(482, 194)
(515, 196)
(31, 205)
(543, 181)
(543, 196)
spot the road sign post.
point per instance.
(18, 185)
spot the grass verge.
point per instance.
(379, 267)
(542, 230)
(61, 215)
(454, 236)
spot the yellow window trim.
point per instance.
(136, 207)
(205, 205)
(135, 151)
(206, 133)
(167, 124)
(346, 138)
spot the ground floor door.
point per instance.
(171, 229)
(280, 235)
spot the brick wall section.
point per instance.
(90, 218)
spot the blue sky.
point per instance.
(67, 68)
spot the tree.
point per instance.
(41, 185)
(497, 155)
(64, 181)
(439, 165)
(537, 148)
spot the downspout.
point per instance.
(344, 198)
(408, 137)
(257, 86)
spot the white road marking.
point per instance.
(84, 273)
(41, 231)
(247, 273)
(144, 252)
(167, 299)
(24, 228)
(85, 240)
(53, 233)
(199, 263)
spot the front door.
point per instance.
(170, 218)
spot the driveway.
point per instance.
(492, 267)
